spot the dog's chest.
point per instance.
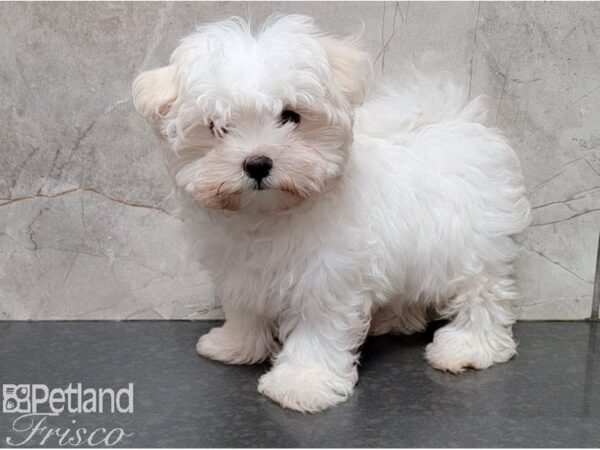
(260, 268)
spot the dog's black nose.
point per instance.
(258, 167)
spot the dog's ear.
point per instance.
(351, 67)
(154, 93)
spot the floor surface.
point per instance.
(549, 395)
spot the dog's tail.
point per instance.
(418, 100)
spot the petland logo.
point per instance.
(37, 404)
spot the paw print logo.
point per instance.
(16, 398)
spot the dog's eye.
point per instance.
(287, 115)
(218, 132)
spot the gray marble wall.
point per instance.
(85, 224)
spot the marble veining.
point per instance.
(86, 225)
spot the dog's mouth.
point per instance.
(260, 186)
(287, 187)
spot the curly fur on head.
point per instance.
(346, 212)
(221, 99)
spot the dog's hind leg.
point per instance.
(479, 333)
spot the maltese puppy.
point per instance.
(323, 217)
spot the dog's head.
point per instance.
(255, 122)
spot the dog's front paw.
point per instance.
(230, 348)
(306, 389)
(456, 350)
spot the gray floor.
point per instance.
(549, 395)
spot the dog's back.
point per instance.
(405, 105)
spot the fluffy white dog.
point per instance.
(321, 217)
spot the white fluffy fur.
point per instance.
(377, 216)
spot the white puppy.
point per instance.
(321, 217)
